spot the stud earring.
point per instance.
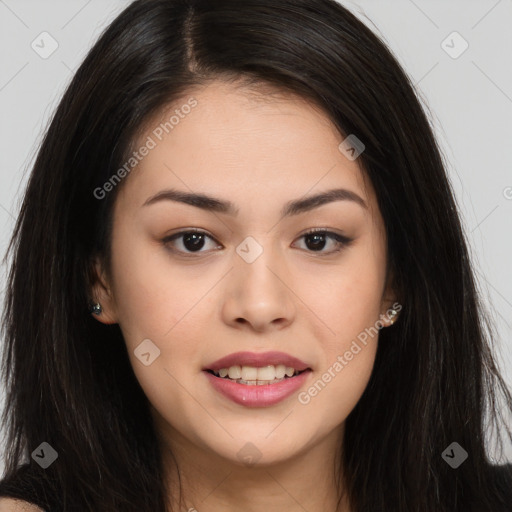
(393, 313)
(95, 308)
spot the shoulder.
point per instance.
(14, 505)
(25, 490)
(501, 481)
(503, 475)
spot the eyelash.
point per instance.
(341, 240)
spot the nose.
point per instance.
(259, 295)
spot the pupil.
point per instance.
(198, 241)
(316, 237)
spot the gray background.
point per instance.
(469, 97)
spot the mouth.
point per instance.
(257, 379)
(257, 376)
(258, 392)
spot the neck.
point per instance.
(211, 483)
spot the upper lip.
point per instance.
(257, 360)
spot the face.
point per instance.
(253, 280)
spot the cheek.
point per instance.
(338, 387)
(347, 360)
(351, 307)
(160, 302)
(350, 302)
(151, 294)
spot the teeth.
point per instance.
(266, 373)
(249, 373)
(280, 371)
(235, 372)
(256, 376)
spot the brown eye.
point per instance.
(317, 240)
(192, 241)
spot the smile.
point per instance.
(258, 392)
(254, 376)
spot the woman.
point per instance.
(239, 280)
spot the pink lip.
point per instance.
(257, 360)
(257, 396)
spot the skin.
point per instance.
(259, 154)
(14, 505)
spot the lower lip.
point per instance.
(257, 396)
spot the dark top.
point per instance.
(26, 486)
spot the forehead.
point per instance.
(259, 139)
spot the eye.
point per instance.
(316, 239)
(193, 240)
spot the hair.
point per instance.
(68, 377)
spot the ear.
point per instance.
(101, 291)
(390, 302)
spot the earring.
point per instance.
(95, 308)
(392, 316)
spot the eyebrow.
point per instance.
(291, 208)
